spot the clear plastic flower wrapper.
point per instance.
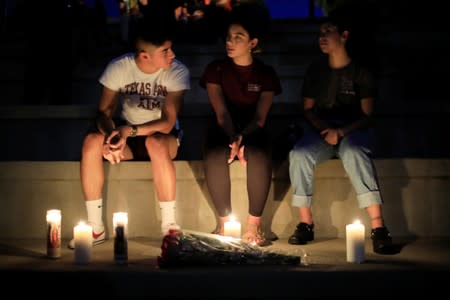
(192, 248)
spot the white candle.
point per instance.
(83, 243)
(232, 228)
(120, 225)
(120, 219)
(355, 242)
(53, 218)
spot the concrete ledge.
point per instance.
(415, 192)
(188, 170)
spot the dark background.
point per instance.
(50, 61)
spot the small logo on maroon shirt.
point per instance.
(253, 87)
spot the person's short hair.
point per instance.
(155, 33)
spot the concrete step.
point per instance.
(415, 193)
(291, 47)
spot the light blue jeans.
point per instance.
(354, 152)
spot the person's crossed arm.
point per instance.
(333, 135)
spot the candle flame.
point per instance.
(120, 218)
(357, 222)
(53, 212)
(232, 218)
(53, 215)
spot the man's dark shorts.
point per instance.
(137, 144)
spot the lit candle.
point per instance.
(53, 233)
(355, 242)
(232, 228)
(83, 243)
(120, 224)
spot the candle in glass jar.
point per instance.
(53, 218)
(83, 243)
(232, 228)
(355, 242)
(120, 225)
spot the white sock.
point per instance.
(94, 212)
(167, 213)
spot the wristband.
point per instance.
(133, 132)
(115, 139)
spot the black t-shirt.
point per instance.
(338, 92)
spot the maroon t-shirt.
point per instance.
(241, 85)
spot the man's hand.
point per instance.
(113, 147)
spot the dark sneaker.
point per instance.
(303, 234)
(382, 240)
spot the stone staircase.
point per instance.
(39, 170)
(39, 159)
(411, 110)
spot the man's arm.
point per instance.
(106, 108)
(105, 111)
(171, 107)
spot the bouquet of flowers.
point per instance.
(190, 248)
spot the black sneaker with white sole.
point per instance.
(381, 240)
(303, 234)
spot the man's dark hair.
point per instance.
(155, 33)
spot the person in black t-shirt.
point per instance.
(338, 99)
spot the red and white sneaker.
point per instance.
(166, 229)
(98, 236)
